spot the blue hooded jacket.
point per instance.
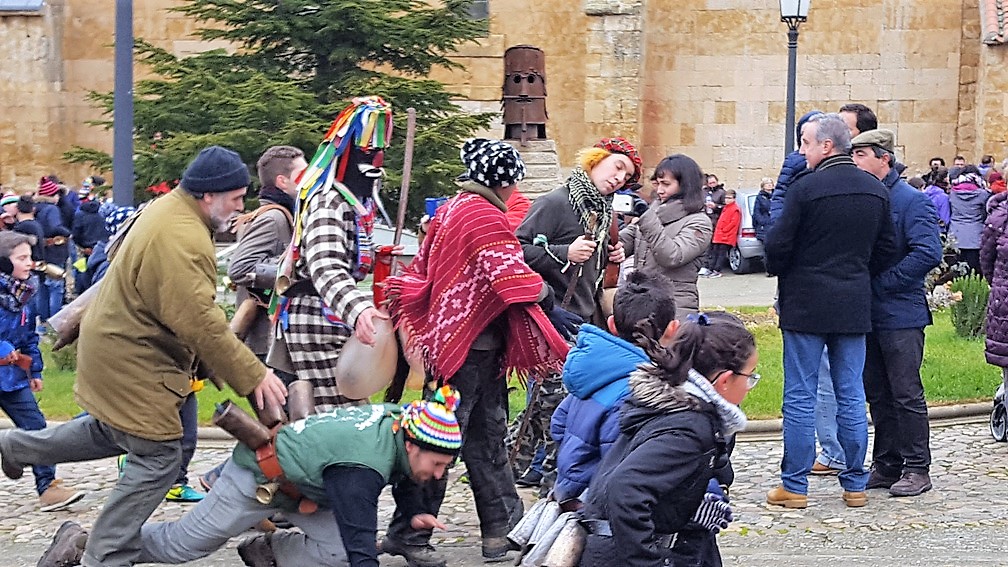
(17, 331)
(587, 422)
(794, 164)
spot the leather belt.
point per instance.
(269, 464)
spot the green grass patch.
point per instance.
(954, 371)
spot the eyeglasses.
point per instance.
(751, 379)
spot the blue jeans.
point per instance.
(802, 360)
(21, 407)
(50, 297)
(832, 454)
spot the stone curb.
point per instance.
(754, 427)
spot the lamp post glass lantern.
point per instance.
(793, 13)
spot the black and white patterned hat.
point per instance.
(492, 163)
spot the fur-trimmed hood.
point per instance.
(651, 395)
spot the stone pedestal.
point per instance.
(542, 166)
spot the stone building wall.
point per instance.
(50, 62)
(701, 77)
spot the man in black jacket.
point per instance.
(833, 235)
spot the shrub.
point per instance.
(65, 358)
(968, 314)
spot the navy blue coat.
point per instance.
(17, 329)
(89, 225)
(794, 164)
(586, 423)
(834, 234)
(898, 297)
(761, 215)
(48, 215)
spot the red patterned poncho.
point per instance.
(469, 271)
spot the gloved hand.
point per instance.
(714, 513)
(565, 322)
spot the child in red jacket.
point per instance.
(726, 232)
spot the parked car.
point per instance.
(747, 255)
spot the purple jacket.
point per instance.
(994, 265)
(940, 199)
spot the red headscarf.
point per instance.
(620, 145)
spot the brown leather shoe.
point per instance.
(855, 499)
(878, 480)
(780, 497)
(823, 470)
(911, 484)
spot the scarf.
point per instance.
(365, 247)
(733, 419)
(15, 293)
(272, 194)
(470, 271)
(593, 210)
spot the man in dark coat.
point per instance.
(56, 246)
(901, 457)
(833, 235)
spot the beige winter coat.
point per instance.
(668, 240)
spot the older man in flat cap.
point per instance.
(153, 317)
(894, 350)
(833, 235)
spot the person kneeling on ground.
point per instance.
(341, 459)
(674, 432)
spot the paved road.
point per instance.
(731, 290)
(962, 522)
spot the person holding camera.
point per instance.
(675, 232)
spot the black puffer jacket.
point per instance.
(654, 477)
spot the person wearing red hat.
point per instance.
(56, 246)
(565, 238)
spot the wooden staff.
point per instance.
(393, 394)
(407, 170)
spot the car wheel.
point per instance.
(737, 263)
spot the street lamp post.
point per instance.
(793, 13)
(122, 106)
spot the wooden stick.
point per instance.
(407, 170)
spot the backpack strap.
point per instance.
(237, 226)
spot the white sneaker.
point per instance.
(704, 272)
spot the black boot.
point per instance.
(416, 555)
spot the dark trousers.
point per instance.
(895, 395)
(719, 252)
(537, 433)
(692, 548)
(189, 415)
(21, 407)
(482, 415)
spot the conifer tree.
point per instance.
(296, 63)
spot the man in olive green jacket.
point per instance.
(153, 317)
